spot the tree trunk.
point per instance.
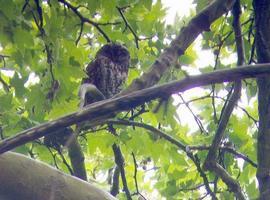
(262, 22)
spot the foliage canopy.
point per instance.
(44, 49)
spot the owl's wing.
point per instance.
(91, 67)
(88, 94)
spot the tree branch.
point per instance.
(105, 109)
(128, 26)
(115, 181)
(27, 179)
(174, 141)
(201, 22)
(135, 177)
(85, 20)
(227, 149)
(210, 161)
(119, 160)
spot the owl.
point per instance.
(109, 70)
(105, 77)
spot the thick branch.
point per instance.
(201, 22)
(262, 23)
(233, 97)
(27, 179)
(101, 110)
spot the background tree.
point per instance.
(138, 145)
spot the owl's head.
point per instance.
(115, 52)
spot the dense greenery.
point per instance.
(44, 49)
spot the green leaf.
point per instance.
(201, 4)
(186, 60)
(6, 102)
(147, 4)
(22, 39)
(18, 84)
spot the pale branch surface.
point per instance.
(37, 180)
(99, 111)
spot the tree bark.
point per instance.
(262, 24)
(27, 179)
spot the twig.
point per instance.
(255, 121)
(193, 188)
(1, 133)
(65, 162)
(252, 52)
(135, 176)
(80, 33)
(39, 10)
(227, 149)
(109, 23)
(54, 157)
(128, 26)
(84, 19)
(197, 162)
(25, 5)
(196, 118)
(48, 47)
(141, 111)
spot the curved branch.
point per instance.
(27, 179)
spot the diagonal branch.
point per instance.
(128, 26)
(201, 22)
(210, 161)
(99, 111)
(196, 118)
